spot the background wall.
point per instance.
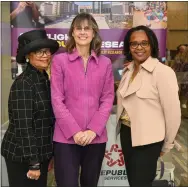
(6, 60)
(177, 24)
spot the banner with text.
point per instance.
(114, 20)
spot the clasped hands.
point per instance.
(84, 138)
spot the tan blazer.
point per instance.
(152, 103)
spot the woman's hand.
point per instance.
(77, 137)
(88, 138)
(84, 138)
(33, 174)
(21, 6)
(161, 154)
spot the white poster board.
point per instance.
(113, 171)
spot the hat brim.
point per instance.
(34, 46)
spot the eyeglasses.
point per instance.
(143, 44)
(40, 53)
(86, 29)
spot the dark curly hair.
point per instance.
(152, 41)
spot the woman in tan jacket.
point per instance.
(148, 107)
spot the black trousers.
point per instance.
(17, 175)
(140, 161)
(67, 161)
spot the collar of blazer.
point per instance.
(124, 88)
(148, 65)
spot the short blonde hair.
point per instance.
(96, 42)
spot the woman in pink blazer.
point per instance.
(82, 89)
(148, 107)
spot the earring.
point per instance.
(27, 59)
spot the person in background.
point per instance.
(184, 60)
(24, 14)
(27, 143)
(14, 67)
(148, 107)
(181, 48)
(177, 60)
(82, 89)
(184, 82)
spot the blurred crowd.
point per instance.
(180, 66)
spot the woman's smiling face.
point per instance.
(139, 46)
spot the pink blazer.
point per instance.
(81, 100)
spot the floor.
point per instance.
(180, 158)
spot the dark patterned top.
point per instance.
(31, 119)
